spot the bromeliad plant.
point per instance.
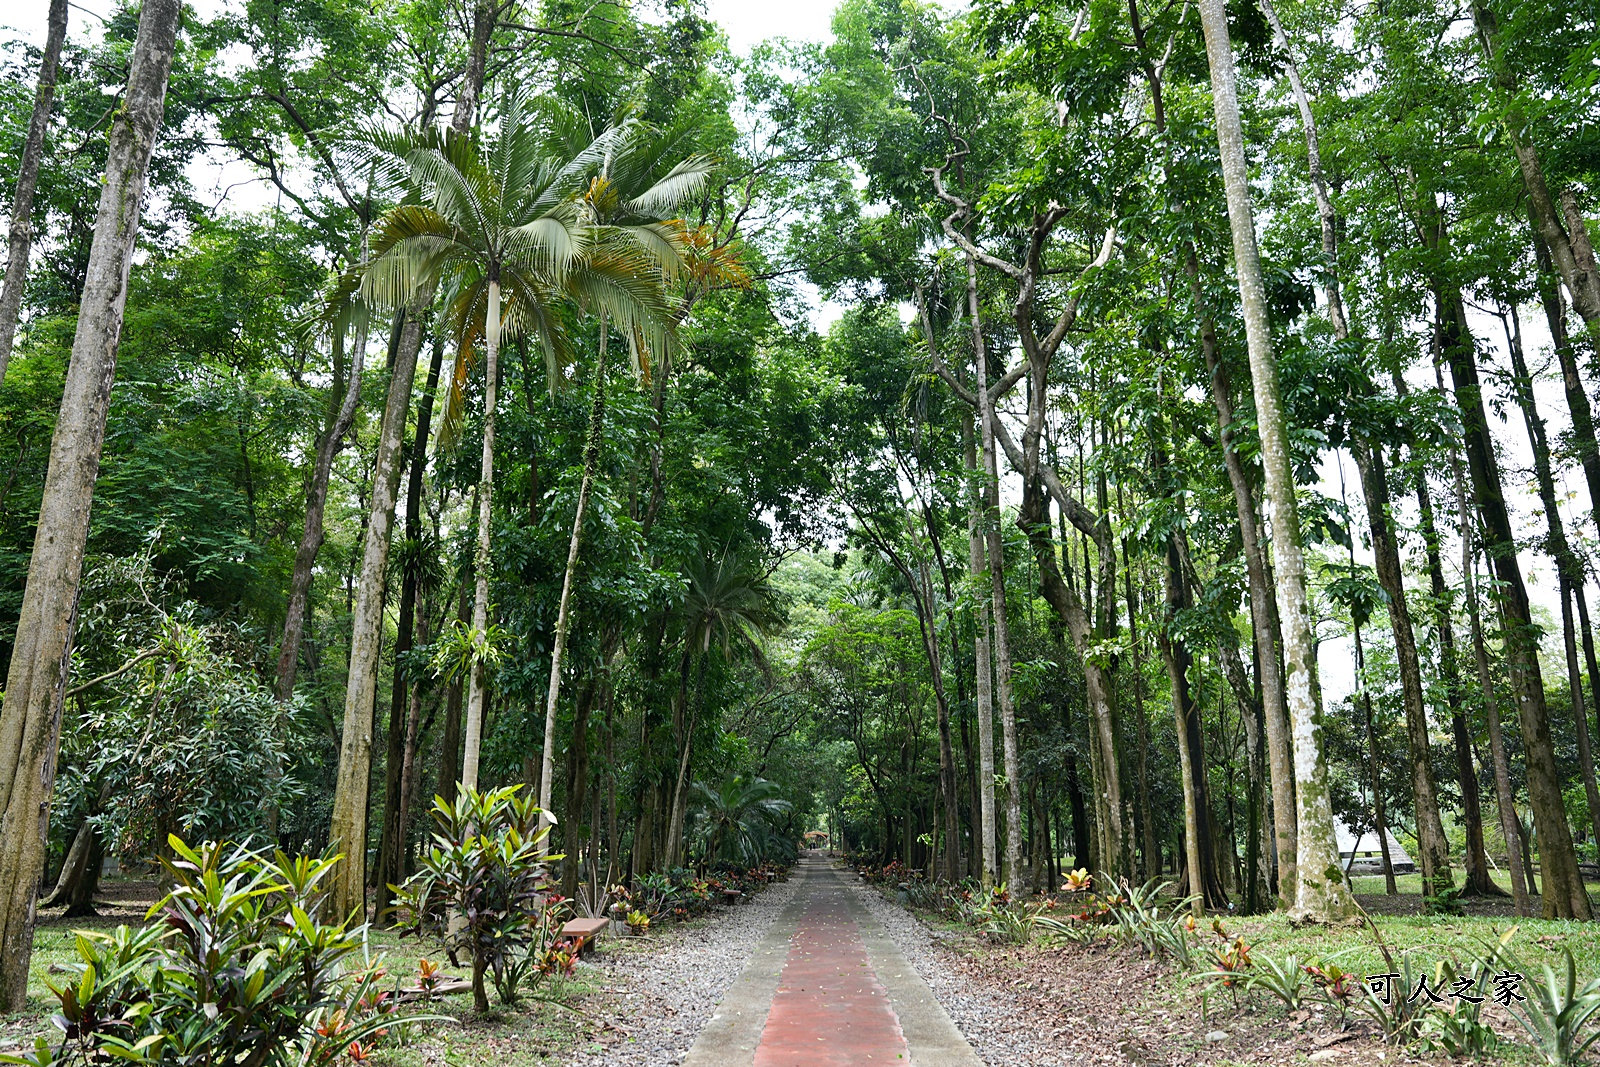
(1337, 986)
(480, 887)
(1559, 1014)
(240, 969)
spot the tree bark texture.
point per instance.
(1321, 893)
(1264, 626)
(1199, 846)
(1479, 881)
(482, 560)
(1432, 845)
(1002, 639)
(976, 565)
(30, 721)
(402, 726)
(348, 827)
(312, 533)
(1564, 895)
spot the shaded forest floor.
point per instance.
(1054, 1004)
(587, 1018)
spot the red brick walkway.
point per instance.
(830, 1010)
(827, 987)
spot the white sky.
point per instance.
(748, 22)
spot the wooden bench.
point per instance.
(583, 932)
(731, 896)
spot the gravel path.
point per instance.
(986, 1017)
(657, 994)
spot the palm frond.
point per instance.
(662, 199)
(392, 278)
(548, 244)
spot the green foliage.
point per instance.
(1287, 979)
(738, 822)
(1462, 1031)
(180, 733)
(240, 968)
(1559, 1013)
(482, 887)
(1396, 1014)
(1162, 933)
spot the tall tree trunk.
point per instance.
(1258, 842)
(367, 620)
(21, 242)
(591, 461)
(298, 613)
(450, 742)
(1505, 803)
(1321, 893)
(1564, 895)
(482, 558)
(415, 728)
(947, 758)
(997, 586)
(30, 722)
(348, 827)
(976, 565)
(329, 444)
(1569, 570)
(1583, 436)
(1152, 851)
(1264, 626)
(1198, 844)
(391, 847)
(1380, 817)
(1002, 675)
(1568, 244)
(1479, 881)
(1065, 601)
(1432, 846)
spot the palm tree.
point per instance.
(729, 603)
(503, 227)
(737, 820)
(627, 203)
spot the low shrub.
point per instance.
(240, 969)
(483, 888)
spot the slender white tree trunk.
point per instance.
(30, 721)
(482, 560)
(976, 564)
(1002, 637)
(1321, 893)
(591, 460)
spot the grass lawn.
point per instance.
(1400, 921)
